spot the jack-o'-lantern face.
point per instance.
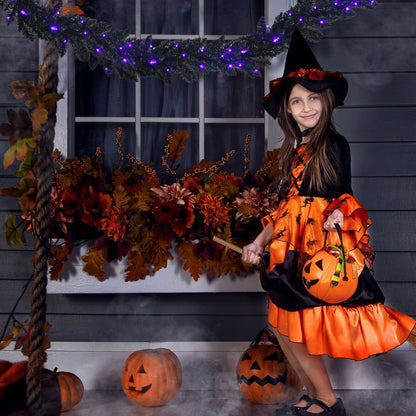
(311, 270)
(135, 381)
(151, 377)
(265, 376)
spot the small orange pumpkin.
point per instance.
(71, 389)
(151, 377)
(263, 373)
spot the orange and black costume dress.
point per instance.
(356, 329)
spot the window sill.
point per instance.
(172, 279)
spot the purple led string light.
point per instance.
(54, 28)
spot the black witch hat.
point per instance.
(303, 68)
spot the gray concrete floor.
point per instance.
(232, 403)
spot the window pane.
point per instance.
(89, 136)
(99, 95)
(222, 138)
(232, 17)
(233, 96)
(120, 14)
(153, 142)
(178, 99)
(169, 17)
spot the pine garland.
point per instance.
(98, 44)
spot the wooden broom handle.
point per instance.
(227, 244)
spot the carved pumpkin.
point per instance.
(324, 277)
(152, 377)
(264, 375)
(71, 389)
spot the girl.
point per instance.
(315, 194)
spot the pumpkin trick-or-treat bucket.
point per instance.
(332, 274)
(264, 374)
(151, 377)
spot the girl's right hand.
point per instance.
(252, 253)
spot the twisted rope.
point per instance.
(37, 355)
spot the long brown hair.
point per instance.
(320, 170)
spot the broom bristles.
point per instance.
(412, 337)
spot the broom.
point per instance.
(412, 337)
(227, 244)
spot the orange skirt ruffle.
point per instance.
(341, 332)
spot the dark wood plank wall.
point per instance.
(377, 53)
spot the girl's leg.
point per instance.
(312, 371)
(284, 344)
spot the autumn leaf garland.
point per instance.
(130, 213)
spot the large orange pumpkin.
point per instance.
(71, 389)
(151, 377)
(263, 373)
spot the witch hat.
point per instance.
(303, 68)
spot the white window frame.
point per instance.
(64, 141)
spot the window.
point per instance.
(218, 110)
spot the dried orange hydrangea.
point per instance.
(214, 211)
(115, 223)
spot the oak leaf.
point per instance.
(137, 269)
(214, 266)
(94, 261)
(22, 88)
(177, 145)
(48, 101)
(192, 264)
(142, 200)
(270, 164)
(60, 255)
(225, 188)
(121, 197)
(160, 253)
(69, 9)
(231, 262)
